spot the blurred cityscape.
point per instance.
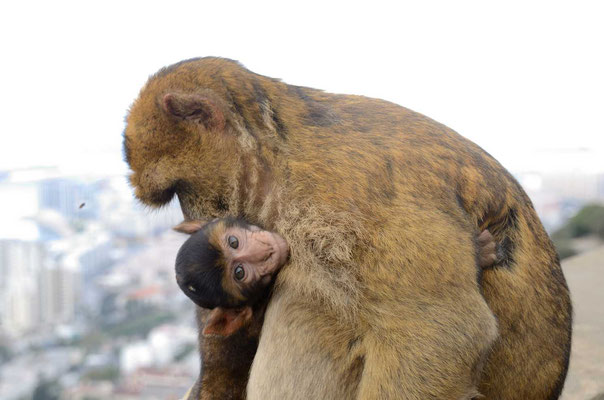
(89, 308)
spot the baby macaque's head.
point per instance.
(228, 262)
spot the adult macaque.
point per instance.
(370, 305)
(228, 262)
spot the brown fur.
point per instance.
(226, 360)
(369, 306)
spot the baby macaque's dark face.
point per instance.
(228, 262)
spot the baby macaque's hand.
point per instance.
(487, 249)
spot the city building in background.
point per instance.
(88, 303)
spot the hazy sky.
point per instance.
(525, 80)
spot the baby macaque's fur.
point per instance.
(227, 351)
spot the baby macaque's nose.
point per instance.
(258, 253)
(259, 247)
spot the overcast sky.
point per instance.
(524, 80)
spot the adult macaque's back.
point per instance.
(383, 296)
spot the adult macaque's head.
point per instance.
(227, 262)
(195, 128)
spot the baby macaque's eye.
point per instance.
(239, 272)
(192, 288)
(233, 242)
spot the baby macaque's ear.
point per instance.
(226, 321)
(189, 227)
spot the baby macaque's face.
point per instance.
(228, 262)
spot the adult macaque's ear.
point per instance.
(194, 107)
(226, 321)
(189, 227)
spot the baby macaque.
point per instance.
(227, 262)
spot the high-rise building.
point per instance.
(20, 266)
(58, 293)
(36, 290)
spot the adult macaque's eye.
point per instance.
(233, 242)
(239, 272)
